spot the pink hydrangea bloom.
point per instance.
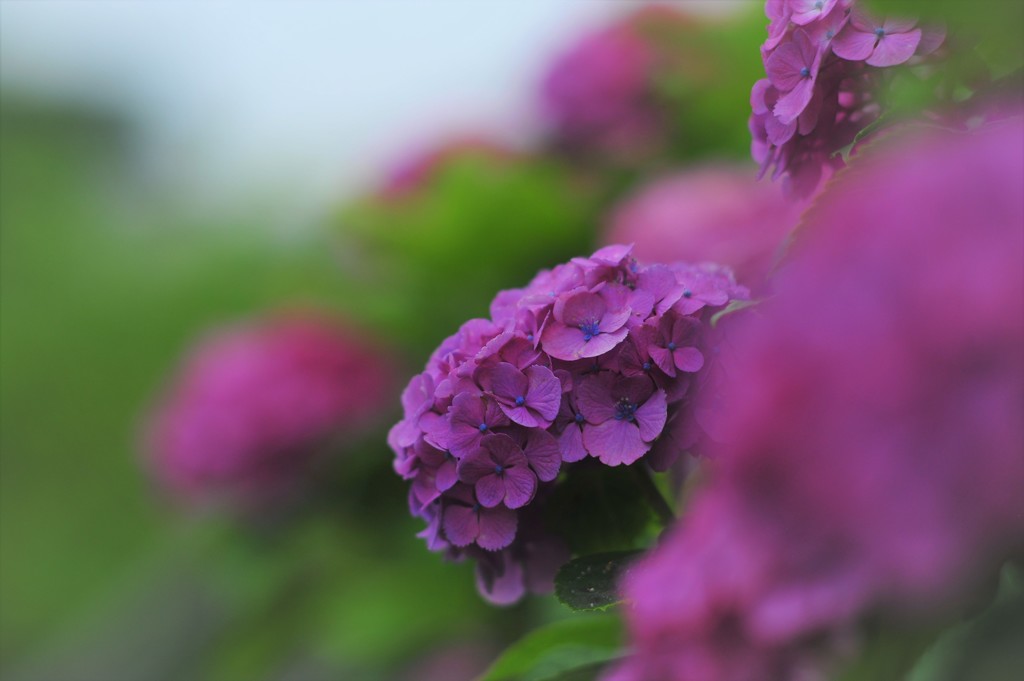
(716, 214)
(254, 404)
(590, 360)
(874, 459)
(414, 172)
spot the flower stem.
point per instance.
(653, 496)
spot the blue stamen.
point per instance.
(829, 34)
(647, 366)
(520, 401)
(672, 347)
(805, 72)
(529, 337)
(819, 4)
(483, 427)
(578, 417)
(880, 32)
(687, 293)
(625, 410)
(499, 469)
(589, 329)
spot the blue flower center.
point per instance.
(805, 72)
(499, 469)
(483, 427)
(520, 401)
(880, 32)
(589, 329)
(529, 337)
(476, 507)
(625, 410)
(819, 4)
(578, 417)
(829, 34)
(687, 293)
(647, 366)
(672, 347)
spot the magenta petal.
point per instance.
(520, 486)
(603, 342)
(563, 342)
(497, 528)
(663, 358)
(543, 454)
(503, 589)
(447, 476)
(523, 417)
(475, 466)
(899, 24)
(852, 44)
(461, 525)
(895, 48)
(580, 308)
(651, 415)
(778, 132)
(688, 359)
(792, 104)
(594, 398)
(544, 394)
(570, 444)
(784, 66)
(490, 489)
(504, 380)
(614, 442)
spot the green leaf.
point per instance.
(598, 508)
(592, 582)
(566, 650)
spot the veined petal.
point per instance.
(614, 442)
(895, 48)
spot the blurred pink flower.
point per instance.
(875, 451)
(710, 214)
(415, 171)
(253, 405)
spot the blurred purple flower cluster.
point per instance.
(874, 459)
(600, 94)
(253, 406)
(595, 358)
(822, 59)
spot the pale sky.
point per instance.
(307, 99)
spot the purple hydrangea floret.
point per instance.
(594, 359)
(823, 61)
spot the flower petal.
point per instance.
(520, 486)
(461, 525)
(497, 528)
(490, 489)
(544, 394)
(895, 48)
(594, 398)
(563, 342)
(852, 44)
(614, 442)
(651, 416)
(688, 359)
(543, 454)
(504, 381)
(570, 444)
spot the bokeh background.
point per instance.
(170, 167)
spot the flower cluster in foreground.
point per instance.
(593, 359)
(823, 61)
(254, 404)
(875, 459)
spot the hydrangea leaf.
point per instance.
(597, 508)
(592, 582)
(574, 649)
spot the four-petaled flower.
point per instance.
(466, 521)
(674, 345)
(885, 43)
(499, 473)
(586, 324)
(471, 417)
(623, 416)
(529, 398)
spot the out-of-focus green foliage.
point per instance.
(592, 582)
(419, 265)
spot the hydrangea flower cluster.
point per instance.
(253, 405)
(875, 459)
(593, 359)
(823, 61)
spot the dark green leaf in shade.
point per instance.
(570, 650)
(597, 508)
(592, 582)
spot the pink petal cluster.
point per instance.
(716, 214)
(596, 358)
(876, 453)
(253, 405)
(822, 59)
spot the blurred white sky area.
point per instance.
(305, 100)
